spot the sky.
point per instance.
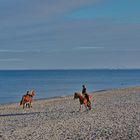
(69, 34)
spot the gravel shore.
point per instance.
(115, 115)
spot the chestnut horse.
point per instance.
(83, 100)
(27, 99)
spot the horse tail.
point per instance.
(90, 97)
(22, 100)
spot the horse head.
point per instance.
(75, 95)
(32, 93)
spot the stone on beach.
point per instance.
(114, 115)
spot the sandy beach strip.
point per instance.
(115, 115)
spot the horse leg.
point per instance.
(30, 104)
(80, 107)
(26, 105)
(23, 105)
(86, 106)
(89, 105)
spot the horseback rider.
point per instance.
(27, 93)
(85, 95)
(30, 93)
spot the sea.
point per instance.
(58, 83)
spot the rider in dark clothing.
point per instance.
(84, 90)
(28, 93)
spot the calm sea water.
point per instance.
(52, 83)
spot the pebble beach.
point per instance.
(115, 115)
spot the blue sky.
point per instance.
(52, 34)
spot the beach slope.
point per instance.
(115, 114)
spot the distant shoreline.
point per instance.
(69, 69)
(55, 97)
(65, 96)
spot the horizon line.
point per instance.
(71, 69)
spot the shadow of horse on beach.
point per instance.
(20, 114)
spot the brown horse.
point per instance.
(83, 100)
(27, 99)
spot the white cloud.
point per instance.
(20, 51)
(89, 48)
(10, 59)
(11, 51)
